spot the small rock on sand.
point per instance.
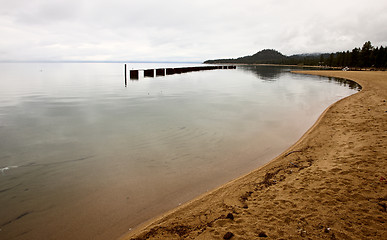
(230, 216)
(228, 235)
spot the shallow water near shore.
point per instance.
(84, 157)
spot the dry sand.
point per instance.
(330, 185)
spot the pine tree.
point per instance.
(321, 60)
(365, 54)
(330, 60)
(355, 55)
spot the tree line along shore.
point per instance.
(367, 57)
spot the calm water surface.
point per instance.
(84, 157)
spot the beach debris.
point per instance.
(228, 235)
(16, 218)
(294, 164)
(384, 206)
(292, 152)
(262, 234)
(268, 178)
(2, 170)
(245, 196)
(383, 179)
(302, 233)
(327, 230)
(180, 230)
(230, 216)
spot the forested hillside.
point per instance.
(367, 56)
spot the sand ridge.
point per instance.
(331, 184)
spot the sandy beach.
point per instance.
(331, 184)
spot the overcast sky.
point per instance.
(184, 30)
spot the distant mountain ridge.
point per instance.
(265, 56)
(272, 56)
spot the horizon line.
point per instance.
(92, 61)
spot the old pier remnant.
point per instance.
(134, 74)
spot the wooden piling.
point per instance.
(160, 72)
(149, 73)
(169, 71)
(133, 74)
(126, 83)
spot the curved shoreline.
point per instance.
(311, 190)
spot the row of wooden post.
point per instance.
(134, 74)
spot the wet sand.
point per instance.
(331, 184)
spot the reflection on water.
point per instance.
(75, 143)
(346, 83)
(267, 73)
(272, 73)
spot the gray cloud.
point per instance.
(184, 30)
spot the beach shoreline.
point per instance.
(329, 185)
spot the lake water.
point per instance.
(84, 157)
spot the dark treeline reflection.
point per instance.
(272, 73)
(347, 83)
(267, 73)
